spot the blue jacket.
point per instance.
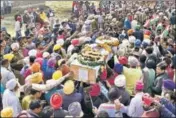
(139, 35)
(165, 113)
(44, 65)
(68, 99)
(49, 93)
(49, 72)
(127, 24)
(172, 20)
(168, 105)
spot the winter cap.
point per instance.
(35, 104)
(133, 61)
(75, 109)
(147, 99)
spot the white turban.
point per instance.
(26, 60)
(132, 39)
(133, 61)
(46, 54)
(32, 52)
(125, 43)
(60, 42)
(11, 84)
(15, 46)
(120, 81)
(87, 22)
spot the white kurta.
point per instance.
(9, 99)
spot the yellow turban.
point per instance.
(130, 32)
(35, 78)
(69, 87)
(7, 112)
(9, 56)
(56, 47)
(57, 75)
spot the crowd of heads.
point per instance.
(138, 73)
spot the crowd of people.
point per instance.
(137, 78)
(6, 7)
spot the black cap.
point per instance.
(35, 104)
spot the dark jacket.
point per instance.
(157, 85)
(26, 19)
(165, 113)
(171, 107)
(125, 96)
(32, 114)
(60, 113)
(68, 99)
(17, 57)
(139, 35)
(172, 20)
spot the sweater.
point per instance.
(132, 76)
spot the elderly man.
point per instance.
(17, 63)
(9, 98)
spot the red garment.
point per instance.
(103, 75)
(25, 52)
(39, 54)
(112, 78)
(170, 72)
(61, 37)
(74, 3)
(130, 18)
(27, 72)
